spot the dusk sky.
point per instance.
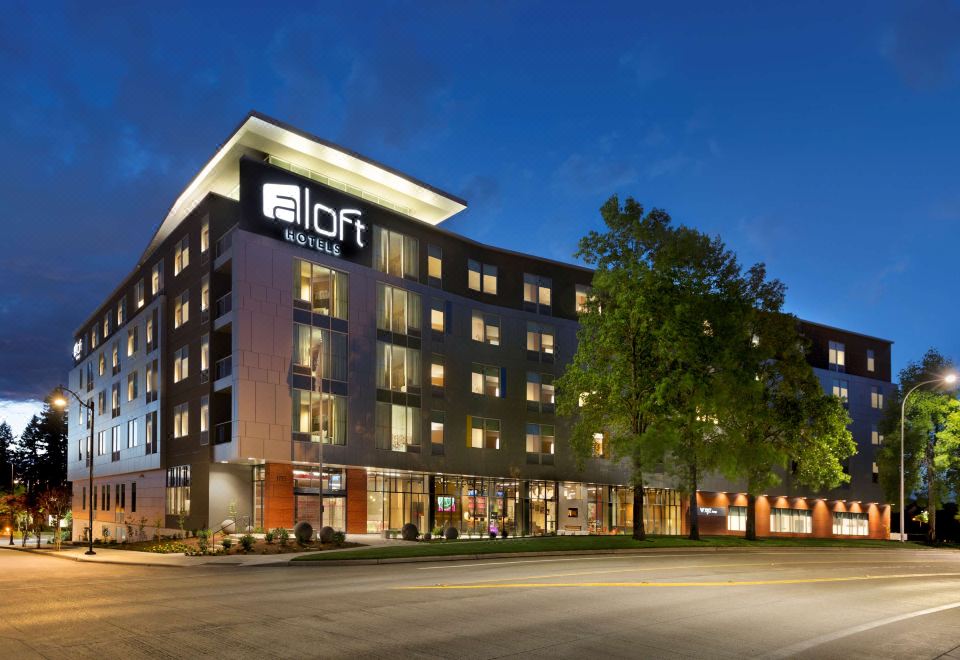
(822, 140)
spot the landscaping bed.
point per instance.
(259, 546)
(440, 548)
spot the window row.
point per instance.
(837, 357)
(111, 440)
(105, 503)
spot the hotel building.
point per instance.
(301, 331)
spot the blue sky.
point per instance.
(819, 138)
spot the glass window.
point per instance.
(840, 388)
(473, 275)
(156, 278)
(181, 309)
(837, 358)
(876, 397)
(537, 291)
(178, 490)
(434, 262)
(540, 391)
(876, 438)
(395, 253)
(397, 427)
(106, 326)
(205, 294)
(540, 338)
(132, 386)
(205, 236)
(850, 524)
(324, 289)
(133, 340)
(307, 344)
(133, 436)
(204, 414)
(115, 400)
(737, 518)
(582, 294)
(871, 361)
(398, 310)
(485, 328)
(181, 255)
(540, 439)
(489, 279)
(398, 368)
(599, 445)
(438, 320)
(436, 371)
(181, 361)
(181, 420)
(791, 521)
(205, 353)
(121, 312)
(485, 379)
(437, 418)
(483, 433)
(324, 417)
(138, 294)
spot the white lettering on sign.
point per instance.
(77, 349)
(317, 225)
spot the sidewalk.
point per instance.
(107, 555)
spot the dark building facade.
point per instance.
(301, 331)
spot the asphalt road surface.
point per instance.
(794, 603)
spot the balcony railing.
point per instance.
(223, 245)
(224, 305)
(222, 433)
(224, 368)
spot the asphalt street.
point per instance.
(815, 603)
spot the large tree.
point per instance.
(40, 457)
(6, 457)
(781, 417)
(932, 438)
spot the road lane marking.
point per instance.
(725, 583)
(806, 645)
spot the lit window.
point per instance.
(93, 337)
(540, 339)
(397, 427)
(876, 438)
(204, 414)
(434, 262)
(133, 340)
(395, 253)
(436, 371)
(181, 420)
(598, 445)
(540, 439)
(156, 278)
(205, 236)
(847, 523)
(871, 361)
(321, 289)
(181, 309)
(485, 379)
(540, 392)
(121, 312)
(840, 390)
(138, 294)
(181, 364)
(321, 419)
(483, 433)
(205, 294)
(485, 328)
(398, 310)
(473, 275)
(537, 292)
(489, 279)
(133, 435)
(582, 294)
(205, 353)
(791, 521)
(438, 321)
(115, 400)
(181, 255)
(106, 326)
(876, 398)
(178, 490)
(481, 277)
(737, 518)
(436, 427)
(101, 364)
(132, 386)
(398, 368)
(837, 358)
(876, 473)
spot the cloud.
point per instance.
(873, 289)
(600, 174)
(18, 413)
(924, 43)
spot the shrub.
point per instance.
(246, 541)
(303, 532)
(493, 534)
(438, 531)
(203, 541)
(282, 535)
(326, 534)
(169, 548)
(451, 533)
(339, 538)
(409, 532)
(268, 537)
(427, 536)
(226, 543)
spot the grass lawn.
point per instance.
(569, 543)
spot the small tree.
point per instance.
(55, 502)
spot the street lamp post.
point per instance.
(60, 402)
(949, 379)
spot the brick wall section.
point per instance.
(278, 496)
(356, 501)
(878, 521)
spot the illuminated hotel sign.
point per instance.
(312, 224)
(77, 349)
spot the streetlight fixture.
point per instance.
(948, 379)
(60, 401)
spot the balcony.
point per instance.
(223, 313)
(222, 433)
(223, 374)
(223, 252)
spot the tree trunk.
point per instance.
(931, 493)
(751, 527)
(694, 509)
(639, 530)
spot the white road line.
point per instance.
(806, 645)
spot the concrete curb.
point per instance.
(558, 553)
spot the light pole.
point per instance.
(949, 379)
(60, 402)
